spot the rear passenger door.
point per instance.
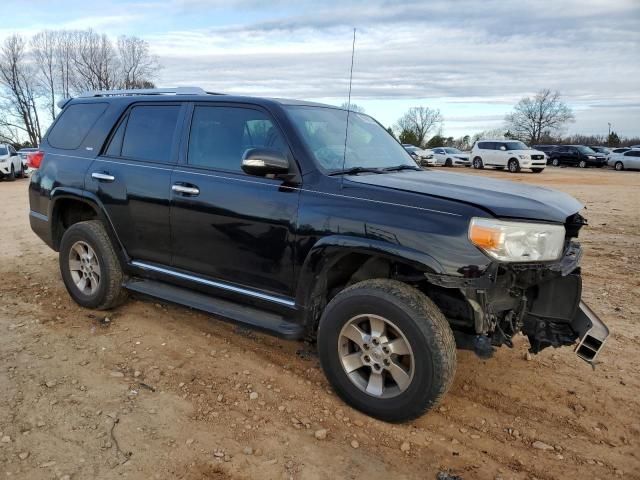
(132, 178)
(228, 225)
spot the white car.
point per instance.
(616, 152)
(511, 154)
(449, 157)
(10, 162)
(629, 159)
(423, 156)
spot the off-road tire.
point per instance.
(110, 292)
(513, 165)
(477, 163)
(420, 321)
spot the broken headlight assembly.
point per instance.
(517, 241)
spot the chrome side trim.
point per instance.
(39, 216)
(223, 286)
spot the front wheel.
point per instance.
(12, 174)
(448, 163)
(582, 164)
(619, 166)
(386, 349)
(477, 163)
(514, 165)
(90, 268)
(555, 162)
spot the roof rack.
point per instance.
(147, 91)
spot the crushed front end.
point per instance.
(541, 300)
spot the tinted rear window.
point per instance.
(149, 132)
(74, 124)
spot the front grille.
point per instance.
(537, 157)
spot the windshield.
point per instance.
(369, 145)
(584, 149)
(516, 146)
(3, 151)
(452, 150)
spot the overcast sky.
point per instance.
(472, 59)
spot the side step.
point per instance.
(249, 316)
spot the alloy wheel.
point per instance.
(84, 268)
(619, 166)
(582, 164)
(376, 356)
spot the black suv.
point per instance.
(577, 155)
(252, 209)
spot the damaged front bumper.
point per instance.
(592, 333)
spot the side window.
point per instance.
(74, 124)
(632, 153)
(150, 132)
(220, 135)
(12, 151)
(483, 145)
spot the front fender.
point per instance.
(328, 251)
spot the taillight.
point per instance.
(34, 159)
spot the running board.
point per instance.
(248, 316)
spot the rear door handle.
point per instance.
(185, 190)
(103, 177)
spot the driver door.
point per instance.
(227, 225)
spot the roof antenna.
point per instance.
(346, 130)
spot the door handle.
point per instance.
(103, 177)
(185, 190)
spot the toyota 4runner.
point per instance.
(260, 211)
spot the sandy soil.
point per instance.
(159, 391)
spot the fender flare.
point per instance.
(327, 251)
(90, 199)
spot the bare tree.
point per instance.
(137, 65)
(419, 121)
(43, 49)
(18, 89)
(95, 62)
(65, 47)
(541, 115)
(353, 107)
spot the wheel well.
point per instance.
(356, 267)
(68, 211)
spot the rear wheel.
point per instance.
(537, 170)
(514, 165)
(21, 173)
(386, 349)
(477, 163)
(90, 267)
(619, 166)
(555, 162)
(448, 163)
(582, 164)
(12, 174)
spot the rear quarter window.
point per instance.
(74, 124)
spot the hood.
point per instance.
(500, 197)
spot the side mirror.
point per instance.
(264, 161)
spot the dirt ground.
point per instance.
(159, 391)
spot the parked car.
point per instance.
(613, 153)
(252, 209)
(577, 155)
(627, 160)
(24, 156)
(10, 163)
(507, 153)
(423, 156)
(598, 149)
(449, 156)
(546, 149)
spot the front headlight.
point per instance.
(523, 156)
(517, 241)
(591, 157)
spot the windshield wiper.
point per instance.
(397, 168)
(356, 170)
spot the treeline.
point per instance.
(38, 71)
